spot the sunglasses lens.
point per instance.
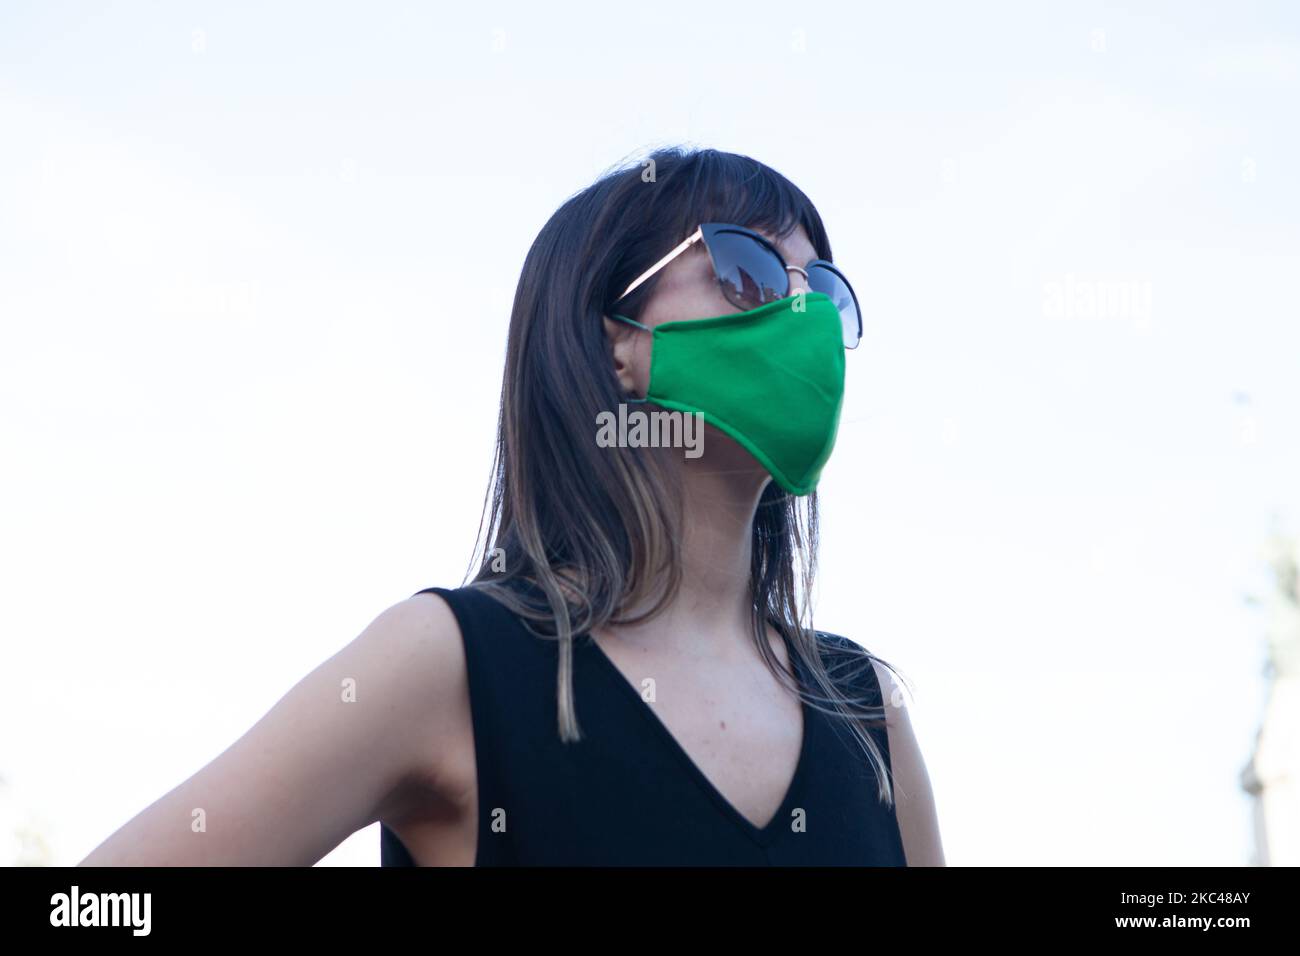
(828, 281)
(751, 275)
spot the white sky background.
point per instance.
(255, 269)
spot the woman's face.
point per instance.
(688, 289)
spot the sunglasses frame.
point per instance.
(705, 233)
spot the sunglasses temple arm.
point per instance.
(682, 246)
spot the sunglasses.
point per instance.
(752, 273)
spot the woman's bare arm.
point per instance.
(918, 820)
(318, 766)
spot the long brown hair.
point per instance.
(573, 533)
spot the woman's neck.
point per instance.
(710, 615)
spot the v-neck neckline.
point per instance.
(763, 835)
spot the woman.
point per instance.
(631, 675)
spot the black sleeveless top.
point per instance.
(628, 793)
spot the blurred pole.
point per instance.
(1272, 776)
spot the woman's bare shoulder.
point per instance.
(918, 818)
(913, 794)
(418, 643)
(362, 732)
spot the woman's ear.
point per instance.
(622, 339)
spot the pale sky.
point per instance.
(246, 403)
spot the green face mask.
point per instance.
(772, 378)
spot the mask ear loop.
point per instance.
(624, 318)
